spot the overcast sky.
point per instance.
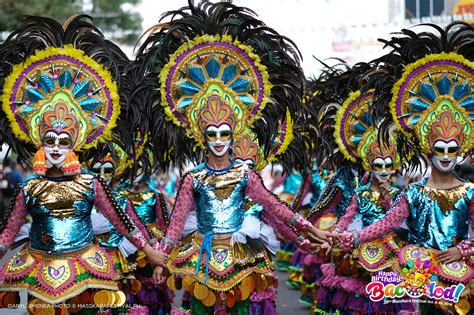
(316, 26)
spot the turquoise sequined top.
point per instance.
(318, 184)
(113, 238)
(370, 205)
(61, 211)
(292, 183)
(144, 204)
(219, 197)
(438, 217)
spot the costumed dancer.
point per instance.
(151, 207)
(285, 253)
(431, 103)
(308, 194)
(215, 82)
(345, 279)
(60, 97)
(301, 275)
(324, 96)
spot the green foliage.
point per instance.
(12, 10)
(113, 17)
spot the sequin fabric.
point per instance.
(144, 204)
(247, 183)
(113, 237)
(438, 217)
(428, 225)
(318, 184)
(371, 204)
(292, 183)
(367, 205)
(336, 196)
(60, 209)
(219, 198)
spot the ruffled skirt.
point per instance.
(57, 278)
(235, 272)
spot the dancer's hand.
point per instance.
(450, 255)
(320, 236)
(309, 247)
(385, 186)
(344, 241)
(158, 276)
(155, 257)
(324, 247)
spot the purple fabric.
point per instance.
(255, 308)
(186, 296)
(265, 307)
(357, 303)
(338, 299)
(297, 258)
(311, 273)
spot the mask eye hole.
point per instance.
(378, 167)
(389, 165)
(225, 135)
(211, 136)
(439, 150)
(108, 171)
(64, 143)
(49, 142)
(453, 149)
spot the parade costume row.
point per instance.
(215, 87)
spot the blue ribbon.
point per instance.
(205, 246)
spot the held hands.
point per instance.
(319, 236)
(155, 257)
(158, 275)
(324, 247)
(450, 255)
(344, 241)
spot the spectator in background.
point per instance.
(466, 170)
(13, 176)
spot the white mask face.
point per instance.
(382, 169)
(218, 139)
(104, 170)
(140, 176)
(247, 161)
(56, 148)
(445, 155)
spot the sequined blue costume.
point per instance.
(60, 212)
(438, 223)
(436, 218)
(60, 260)
(219, 209)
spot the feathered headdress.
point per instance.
(357, 135)
(429, 85)
(217, 64)
(325, 101)
(60, 78)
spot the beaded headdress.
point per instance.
(58, 79)
(434, 101)
(357, 135)
(216, 64)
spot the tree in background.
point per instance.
(114, 17)
(117, 18)
(12, 10)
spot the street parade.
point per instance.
(205, 171)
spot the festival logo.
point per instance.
(416, 280)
